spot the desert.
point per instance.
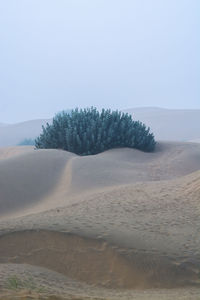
(99, 150)
(122, 224)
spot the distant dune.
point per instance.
(11, 135)
(195, 141)
(120, 219)
(169, 124)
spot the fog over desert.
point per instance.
(99, 150)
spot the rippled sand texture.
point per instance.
(122, 224)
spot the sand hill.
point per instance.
(13, 134)
(108, 226)
(169, 124)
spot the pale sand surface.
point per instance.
(40, 283)
(7, 152)
(41, 176)
(169, 124)
(102, 225)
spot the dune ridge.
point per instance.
(169, 124)
(60, 175)
(132, 216)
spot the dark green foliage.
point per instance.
(27, 142)
(89, 131)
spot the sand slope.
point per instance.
(25, 179)
(37, 281)
(120, 219)
(38, 177)
(7, 152)
(169, 124)
(13, 134)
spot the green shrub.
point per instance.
(88, 131)
(27, 142)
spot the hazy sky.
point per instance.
(59, 54)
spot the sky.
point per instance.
(62, 54)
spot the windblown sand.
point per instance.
(122, 224)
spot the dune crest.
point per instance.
(119, 219)
(45, 179)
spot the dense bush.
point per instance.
(89, 131)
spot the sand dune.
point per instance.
(169, 124)
(122, 166)
(7, 152)
(195, 141)
(26, 179)
(13, 134)
(38, 176)
(119, 219)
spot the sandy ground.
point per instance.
(40, 283)
(122, 224)
(8, 152)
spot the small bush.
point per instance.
(27, 142)
(89, 131)
(15, 283)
